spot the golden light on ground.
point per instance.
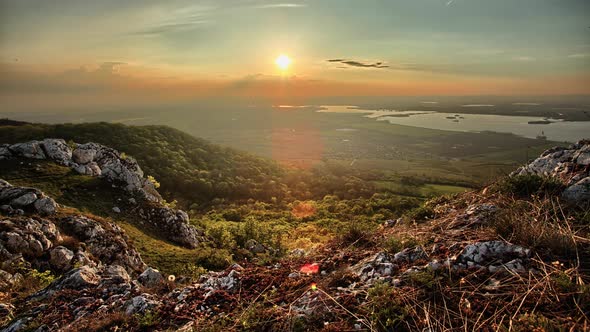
(283, 62)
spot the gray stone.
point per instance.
(58, 150)
(150, 277)
(45, 206)
(30, 149)
(61, 257)
(141, 304)
(24, 200)
(116, 209)
(117, 274)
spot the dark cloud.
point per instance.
(354, 63)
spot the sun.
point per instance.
(283, 62)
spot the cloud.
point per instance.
(450, 2)
(282, 5)
(579, 56)
(354, 63)
(524, 58)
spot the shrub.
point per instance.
(356, 234)
(396, 244)
(421, 213)
(529, 184)
(386, 310)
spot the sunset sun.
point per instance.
(283, 62)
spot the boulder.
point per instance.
(578, 192)
(60, 258)
(57, 150)
(150, 277)
(31, 150)
(117, 274)
(568, 165)
(45, 206)
(173, 224)
(140, 304)
(24, 200)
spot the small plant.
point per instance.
(148, 319)
(529, 184)
(396, 244)
(153, 181)
(386, 310)
(421, 213)
(356, 234)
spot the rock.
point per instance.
(116, 209)
(255, 247)
(141, 304)
(18, 325)
(60, 258)
(174, 225)
(568, 165)
(410, 255)
(31, 150)
(26, 237)
(45, 206)
(91, 169)
(376, 267)
(150, 277)
(578, 192)
(298, 252)
(107, 242)
(117, 274)
(494, 255)
(79, 278)
(58, 150)
(217, 280)
(15, 198)
(5, 152)
(24, 200)
(85, 153)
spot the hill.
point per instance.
(513, 255)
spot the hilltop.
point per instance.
(78, 253)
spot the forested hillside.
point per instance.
(193, 171)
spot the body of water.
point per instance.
(557, 130)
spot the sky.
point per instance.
(156, 51)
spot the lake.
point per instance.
(557, 130)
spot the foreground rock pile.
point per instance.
(569, 165)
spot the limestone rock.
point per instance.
(141, 304)
(569, 165)
(61, 257)
(493, 254)
(174, 225)
(58, 150)
(376, 267)
(31, 150)
(150, 277)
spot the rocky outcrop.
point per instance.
(107, 242)
(173, 224)
(38, 243)
(90, 159)
(570, 165)
(96, 160)
(17, 200)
